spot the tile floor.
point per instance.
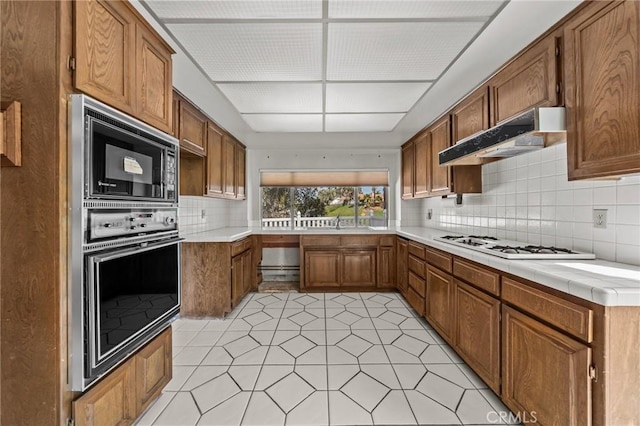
(319, 359)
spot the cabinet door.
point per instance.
(248, 273)
(387, 268)
(471, 115)
(110, 402)
(402, 266)
(193, 129)
(440, 175)
(322, 268)
(229, 176)
(422, 165)
(153, 370)
(104, 39)
(153, 80)
(214, 161)
(602, 71)
(237, 279)
(544, 372)
(477, 332)
(407, 170)
(240, 171)
(359, 268)
(531, 80)
(439, 307)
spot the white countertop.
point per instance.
(600, 281)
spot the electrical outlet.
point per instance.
(599, 218)
(429, 214)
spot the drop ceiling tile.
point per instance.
(284, 122)
(411, 9)
(274, 97)
(237, 9)
(254, 52)
(395, 51)
(361, 122)
(373, 97)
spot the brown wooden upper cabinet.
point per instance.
(532, 79)
(408, 165)
(214, 161)
(121, 61)
(602, 75)
(471, 115)
(422, 175)
(192, 129)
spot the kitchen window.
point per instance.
(311, 206)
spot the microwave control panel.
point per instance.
(113, 224)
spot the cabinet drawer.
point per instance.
(417, 250)
(440, 259)
(415, 300)
(387, 241)
(359, 240)
(320, 240)
(240, 246)
(568, 316)
(417, 284)
(477, 276)
(280, 240)
(417, 266)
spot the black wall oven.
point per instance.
(125, 248)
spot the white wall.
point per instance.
(528, 198)
(338, 159)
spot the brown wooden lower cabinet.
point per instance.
(545, 373)
(439, 308)
(402, 271)
(477, 332)
(216, 276)
(350, 262)
(120, 397)
(359, 268)
(322, 268)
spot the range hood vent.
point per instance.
(529, 131)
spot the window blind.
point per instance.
(325, 178)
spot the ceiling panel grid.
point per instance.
(314, 66)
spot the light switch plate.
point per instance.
(600, 218)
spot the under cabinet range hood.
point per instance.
(529, 131)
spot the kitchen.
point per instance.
(526, 198)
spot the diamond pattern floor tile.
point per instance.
(344, 411)
(319, 359)
(289, 392)
(313, 411)
(364, 390)
(393, 410)
(440, 390)
(355, 345)
(262, 411)
(214, 392)
(229, 413)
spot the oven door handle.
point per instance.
(139, 249)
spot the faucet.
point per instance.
(338, 222)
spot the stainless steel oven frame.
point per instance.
(80, 129)
(95, 361)
(77, 224)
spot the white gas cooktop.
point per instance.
(512, 249)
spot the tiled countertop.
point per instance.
(603, 282)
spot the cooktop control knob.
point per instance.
(169, 220)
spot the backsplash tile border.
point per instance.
(529, 198)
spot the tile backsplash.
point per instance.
(200, 214)
(528, 198)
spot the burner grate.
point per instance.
(452, 237)
(483, 237)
